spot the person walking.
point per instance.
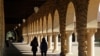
(34, 44)
(7, 43)
(43, 47)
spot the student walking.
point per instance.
(43, 47)
(34, 44)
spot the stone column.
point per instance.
(28, 34)
(62, 16)
(29, 31)
(64, 45)
(69, 41)
(55, 43)
(41, 37)
(45, 36)
(91, 44)
(2, 28)
(39, 42)
(82, 43)
(25, 39)
(50, 42)
(30, 38)
(26, 29)
(81, 26)
(25, 32)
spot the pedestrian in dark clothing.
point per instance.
(43, 47)
(34, 44)
(7, 43)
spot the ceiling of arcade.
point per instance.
(49, 8)
(92, 16)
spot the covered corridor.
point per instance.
(61, 23)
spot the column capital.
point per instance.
(55, 33)
(91, 30)
(69, 32)
(49, 33)
(44, 34)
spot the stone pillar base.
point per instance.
(50, 49)
(70, 53)
(55, 51)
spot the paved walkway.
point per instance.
(22, 49)
(12, 51)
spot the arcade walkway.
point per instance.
(22, 49)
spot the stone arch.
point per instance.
(98, 17)
(70, 25)
(49, 23)
(44, 24)
(70, 17)
(92, 17)
(92, 14)
(97, 35)
(56, 22)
